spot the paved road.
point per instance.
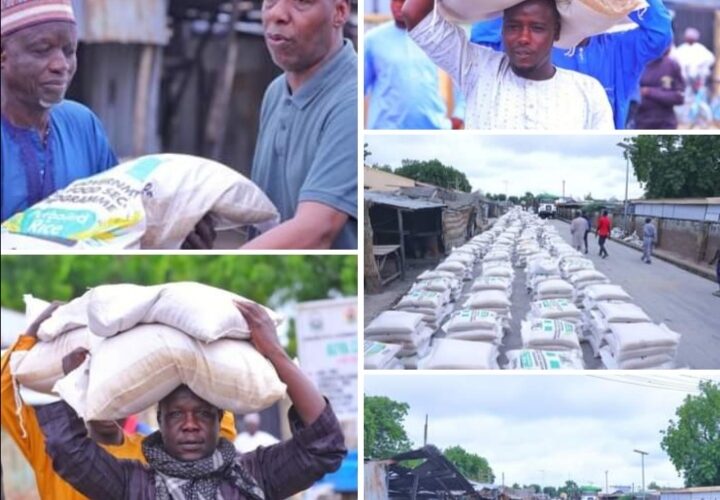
(668, 295)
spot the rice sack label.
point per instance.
(154, 201)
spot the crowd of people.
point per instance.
(512, 77)
(306, 152)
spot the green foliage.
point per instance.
(515, 486)
(383, 168)
(534, 487)
(258, 277)
(472, 466)
(570, 489)
(434, 172)
(674, 166)
(366, 151)
(514, 200)
(550, 491)
(693, 441)
(384, 432)
(653, 486)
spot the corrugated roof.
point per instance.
(680, 201)
(697, 489)
(399, 201)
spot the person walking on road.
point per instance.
(587, 230)
(603, 231)
(649, 237)
(716, 260)
(578, 227)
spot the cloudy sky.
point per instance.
(546, 429)
(535, 163)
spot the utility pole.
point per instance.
(606, 483)
(426, 429)
(563, 190)
(642, 458)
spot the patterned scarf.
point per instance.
(199, 479)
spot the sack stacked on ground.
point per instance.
(539, 269)
(460, 269)
(434, 306)
(152, 202)
(569, 265)
(140, 363)
(450, 286)
(550, 335)
(381, 356)
(492, 283)
(581, 280)
(406, 329)
(554, 288)
(562, 309)
(474, 324)
(527, 359)
(452, 354)
(490, 300)
(640, 345)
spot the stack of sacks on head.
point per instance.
(382, 356)
(433, 306)
(407, 330)
(144, 342)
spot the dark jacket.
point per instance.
(664, 86)
(280, 470)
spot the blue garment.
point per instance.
(488, 33)
(616, 60)
(402, 82)
(77, 147)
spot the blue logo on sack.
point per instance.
(144, 167)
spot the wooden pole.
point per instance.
(142, 97)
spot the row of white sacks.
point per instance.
(143, 343)
(571, 289)
(572, 301)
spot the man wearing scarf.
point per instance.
(186, 458)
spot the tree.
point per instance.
(383, 168)
(693, 441)
(434, 172)
(588, 197)
(514, 200)
(570, 489)
(528, 198)
(366, 152)
(550, 491)
(653, 486)
(472, 466)
(672, 166)
(534, 487)
(384, 432)
(515, 486)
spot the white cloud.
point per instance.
(535, 163)
(546, 428)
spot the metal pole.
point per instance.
(625, 208)
(426, 427)
(606, 483)
(642, 456)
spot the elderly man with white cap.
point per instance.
(47, 141)
(251, 437)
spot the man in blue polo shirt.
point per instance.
(616, 60)
(47, 141)
(306, 154)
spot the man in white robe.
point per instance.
(518, 89)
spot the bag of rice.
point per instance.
(151, 202)
(204, 312)
(624, 312)
(501, 283)
(471, 319)
(399, 322)
(488, 299)
(549, 334)
(434, 274)
(605, 292)
(424, 299)
(556, 309)
(125, 379)
(554, 289)
(41, 367)
(526, 359)
(451, 354)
